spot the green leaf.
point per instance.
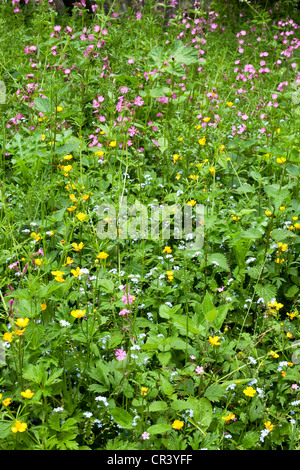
(165, 311)
(35, 373)
(164, 358)
(219, 260)
(5, 429)
(181, 322)
(221, 316)
(107, 285)
(166, 387)
(159, 428)
(214, 392)
(158, 406)
(44, 105)
(122, 417)
(209, 310)
(267, 291)
(182, 54)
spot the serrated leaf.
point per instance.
(267, 291)
(43, 105)
(5, 429)
(250, 439)
(158, 406)
(214, 392)
(218, 259)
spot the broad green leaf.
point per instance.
(214, 392)
(121, 417)
(159, 428)
(107, 285)
(158, 406)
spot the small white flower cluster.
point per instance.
(102, 399)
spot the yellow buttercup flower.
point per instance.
(68, 262)
(19, 332)
(27, 394)
(7, 402)
(192, 202)
(81, 216)
(58, 276)
(177, 424)
(228, 417)
(43, 306)
(19, 427)
(214, 340)
(102, 255)
(269, 425)
(202, 141)
(249, 392)
(78, 313)
(22, 322)
(144, 391)
(76, 272)
(7, 337)
(280, 160)
(77, 247)
(167, 249)
(113, 143)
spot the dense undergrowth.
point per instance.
(140, 342)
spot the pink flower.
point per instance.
(199, 370)
(145, 435)
(124, 312)
(128, 298)
(120, 354)
(130, 61)
(138, 101)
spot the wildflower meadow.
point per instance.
(149, 225)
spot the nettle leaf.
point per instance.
(44, 105)
(267, 291)
(158, 406)
(214, 392)
(218, 259)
